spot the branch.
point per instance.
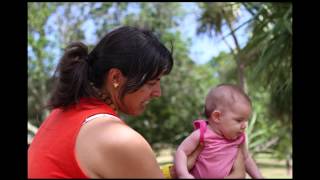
(248, 9)
(254, 17)
(268, 144)
(223, 37)
(229, 46)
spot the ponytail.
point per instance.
(71, 77)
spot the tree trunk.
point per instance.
(240, 63)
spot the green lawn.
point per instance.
(270, 168)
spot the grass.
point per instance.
(272, 168)
(269, 167)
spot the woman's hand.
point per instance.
(191, 159)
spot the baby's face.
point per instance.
(234, 120)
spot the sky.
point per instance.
(203, 48)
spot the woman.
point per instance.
(83, 137)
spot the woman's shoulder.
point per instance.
(118, 133)
(118, 147)
(106, 130)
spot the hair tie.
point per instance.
(89, 58)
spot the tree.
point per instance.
(270, 54)
(214, 16)
(40, 62)
(106, 16)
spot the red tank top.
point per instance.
(52, 151)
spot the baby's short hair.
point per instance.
(224, 95)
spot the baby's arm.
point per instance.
(251, 167)
(185, 149)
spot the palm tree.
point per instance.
(213, 17)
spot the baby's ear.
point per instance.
(215, 116)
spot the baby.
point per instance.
(227, 109)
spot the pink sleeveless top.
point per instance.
(218, 154)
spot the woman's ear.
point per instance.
(115, 77)
(215, 116)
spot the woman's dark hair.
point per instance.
(137, 53)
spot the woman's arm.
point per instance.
(109, 149)
(238, 170)
(186, 148)
(191, 159)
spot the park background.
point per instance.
(248, 43)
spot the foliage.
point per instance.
(217, 14)
(39, 61)
(106, 16)
(269, 56)
(157, 17)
